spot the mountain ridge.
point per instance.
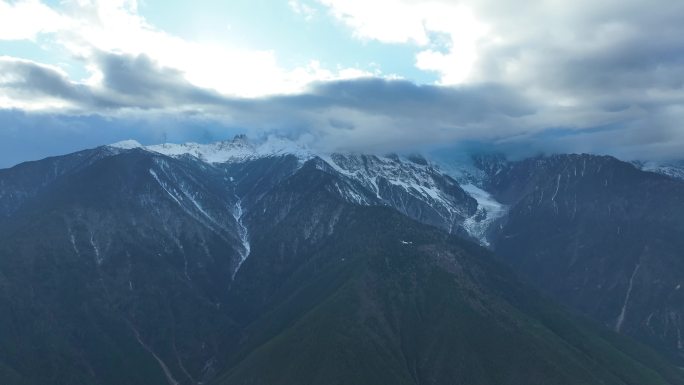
(208, 249)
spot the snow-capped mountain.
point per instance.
(210, 264)
(240, 149)
(183, 256)
(515, 208)
(413, 185)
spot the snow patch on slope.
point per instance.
(623, 311)
(243, 234)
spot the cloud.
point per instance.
(614, 53)
(387, 115)
(33, 86)
(585, 51)
(602, 77)
(14, 17)
(35, 135)
(446, 31)
(86, 28)
(128, 82)
(582, 64)
(137, 81)
(368, 115)
(302, 8)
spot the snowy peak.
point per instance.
(239, 149)
(126, 144)
(412, 186)
(219, 152)
(374, 170)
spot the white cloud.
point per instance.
(422, 23)
(384, 20)
(578, 65)
(303, 9)
(25, 20)
(584, 62)
(86, 27)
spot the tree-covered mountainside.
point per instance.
(385, 300)
(599, 235)
(135, 267)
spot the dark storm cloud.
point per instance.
(386, 115)
(25, 80)
(128, 82)
(403, 98)
(599, 55)
(138, 81)
(136, 97)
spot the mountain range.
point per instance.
(269, 263)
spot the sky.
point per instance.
(540, 76)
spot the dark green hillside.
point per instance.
(122, 271)
(389, 301)
(587, 230)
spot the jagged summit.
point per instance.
(238, 149)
